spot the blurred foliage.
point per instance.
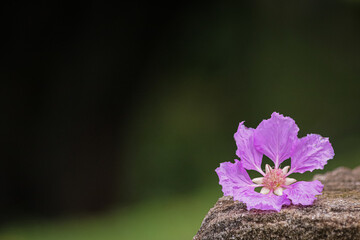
(158, 124)
(226, 64)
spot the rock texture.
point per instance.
(334, 215)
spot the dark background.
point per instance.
(106, 105)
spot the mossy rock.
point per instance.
(334, 215)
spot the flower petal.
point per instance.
(246, 151)
(310, 153)
(260, 201)
(304, 192)
(275, 137)
(279, 191)
(236, 182)
(234, 178)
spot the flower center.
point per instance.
(273, 179)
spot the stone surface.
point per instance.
(334, 215)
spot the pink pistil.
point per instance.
(273, 179)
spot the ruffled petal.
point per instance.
(310, 153)
(304, 192)
(275, 137)
(262, 201)
(233, 178)
(236, 182)
(250, 157)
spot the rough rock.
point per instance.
(334, 215)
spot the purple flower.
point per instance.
(277, 139)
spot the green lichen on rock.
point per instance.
(334, 215)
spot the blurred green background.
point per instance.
(116, 116)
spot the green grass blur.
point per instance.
(162, 218)
(158, 219)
